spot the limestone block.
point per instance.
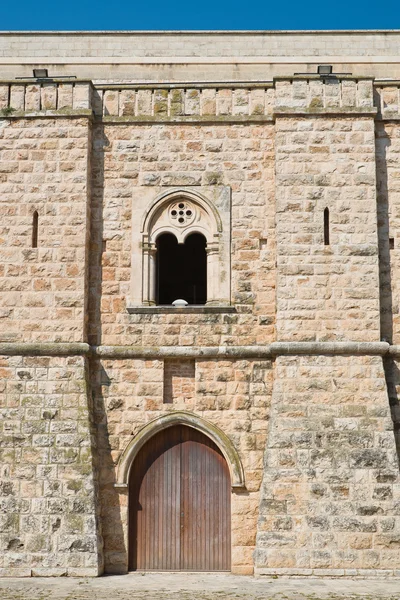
(332, 93)
(81, 96)
(65, 95)
(224, 102)
(390, 101)
(111, 102)
(299, 93)
(160, 102)
(192, 102)
(176, 98)
(257, 101)
(240, 102)
(269, 101)
(32, 98)
(48, 94)
(4, 94)
(316, 94)
(127, 101)
(208, 102)
(365, 93)
(97, 101)
(349, 93)
(144, 102)
(17, 97)
(283, 93)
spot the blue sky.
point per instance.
(199, 14)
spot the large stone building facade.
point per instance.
(285, 357)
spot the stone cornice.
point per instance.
(43, 349)
(306, 95)
(268, 351)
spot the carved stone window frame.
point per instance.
(151, 216)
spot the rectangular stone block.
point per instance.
(127, 102)
(81, 96)
(208, 103)
(177, 102)
(240, 102)
(4, 96)
(192, 102)
(32, 98)
(65, 96)
(160, 102)
(364, 94)
(349, 93)
(257, 101)
(48, 96)
(224, 102)
(144, 102)
(17, 97)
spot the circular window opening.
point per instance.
(182, 213)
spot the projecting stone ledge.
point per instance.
(159, 352)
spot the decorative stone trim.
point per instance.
(160, 352)
(43, 349)
(192, 309)
(210, 208)
(225, 102)
(181, 418)
(324, 348)
(324, 95)
(50, 95)
(209, 119)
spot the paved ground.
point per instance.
(171, 586)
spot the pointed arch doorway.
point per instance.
(179, 504)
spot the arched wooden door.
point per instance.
(179, 504)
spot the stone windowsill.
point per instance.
(200, 309)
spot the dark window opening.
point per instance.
(181, 269)
(391, 243)
(35, 225)
(326, 227)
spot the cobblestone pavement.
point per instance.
(189, 586)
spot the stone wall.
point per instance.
(233, 395)
(330, 493)
(48, 523)
(326, 292)
(175, 156)
(43, 168)
(325, 501)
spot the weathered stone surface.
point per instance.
(292, 371)
(47, 489)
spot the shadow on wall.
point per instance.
(115, 554)
(385, 281)
(392, 371)
(97, 244)
(111, 517)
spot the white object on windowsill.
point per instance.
(180, 303)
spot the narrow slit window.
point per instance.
(326, 227)
(35, 226)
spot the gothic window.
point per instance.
(181, 252)
(181, 269)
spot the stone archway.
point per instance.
(216, 435)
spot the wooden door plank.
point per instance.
(179, 504)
